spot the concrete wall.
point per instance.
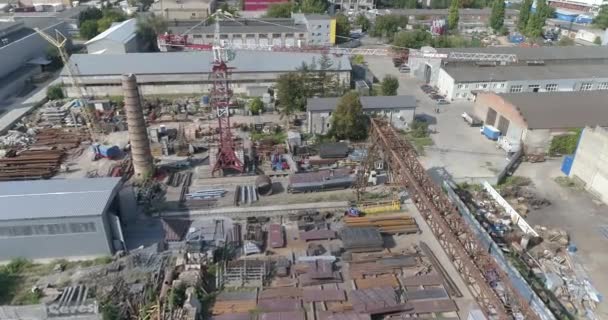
(294, 38)
(591, 161)
(88, 244)
(418, 66)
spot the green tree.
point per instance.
(388, 25)
(313, 6)
(348, 121)
(342, 29)
(148, 28)
(497, 17)
(291, 94)
(389, 85)
(453, 15)
(256, 106)
(362, 21)
(88, 29)
(412, 39)
(524, 15)
(532, 27)
(601, 20)
(54, 92)
(358, 59)
(439, 4)
(109, 16)
(597, 40)
(91, 13)
(279, 10)
(228, 8)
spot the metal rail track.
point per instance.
(477, 268)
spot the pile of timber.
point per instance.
(60, 139)
(387, 225)
(31, 164)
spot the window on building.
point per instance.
(516, 88)
(460, 86)
(551, 87)
(602, 86)
(197, 36)
(502, 85)
(533, 88)
(209, 36)
(47, 229)
(586, 86)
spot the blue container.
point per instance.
(205, 100)
(584, 19)
(491, 133)
(567, 164)
(110, 152)
(567, 16)
(516, 38)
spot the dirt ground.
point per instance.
(584, 218)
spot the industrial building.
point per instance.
(590, 161)
(399, 110)
(50, 219)
(300, 30)
(535, 118)
(463, 73)
(22, 55)
(188, 72)
(183, 9)
(119, 38)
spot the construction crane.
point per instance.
(60, 43)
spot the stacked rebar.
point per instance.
(138, 134)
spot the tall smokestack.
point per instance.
(138, 134)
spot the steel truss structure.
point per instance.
(487, 282)
(220, 101)
(478, 56)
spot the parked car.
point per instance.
(397, 62)
(404, 69)
(426, 88)
(442, 101)
(437, 97)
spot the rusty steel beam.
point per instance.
(471, 259)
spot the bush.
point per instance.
(55, 92)
(564, 144)
(419, 129)
(256, 106)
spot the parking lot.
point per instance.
(461, 150)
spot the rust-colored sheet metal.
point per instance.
(386, 280)
(423, 280)
(377, 301)
(175, 229)
(273, 293)
(429, 306)
(279, 305)
(350, 315)
(291, 315)
(317, 235)
(427, 294)
(276, 237)
(313, 295)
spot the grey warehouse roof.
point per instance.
(541, 53)
(56, 198)
(195, 62)
(473, 73)
(368, 103)
(120, 32)
(560, 110)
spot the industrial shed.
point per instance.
(49, 219)
(535, 118)
(170, 73)
(121, 37)
(399, 110)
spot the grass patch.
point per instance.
(568, 182)
(419, 143)
(276, 138)
(565, 144)
(515, 181)
(470, 187)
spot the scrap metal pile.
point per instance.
(37, 155)
(490, 285)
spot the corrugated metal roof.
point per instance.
(473, 73)
(367, 102)
(56, 198)
(120, 32)
(561, 110)
(196, 62)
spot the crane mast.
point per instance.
(60, 44)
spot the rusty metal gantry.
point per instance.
(471, 259)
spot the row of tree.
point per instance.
(94, 21)
(284, 10)
(531, 23)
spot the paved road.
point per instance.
(15, 108)
(460, 149)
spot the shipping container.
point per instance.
(567, 164)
